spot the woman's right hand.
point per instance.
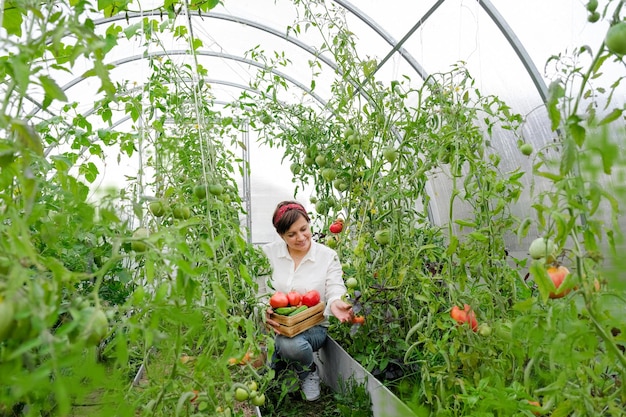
(271, 323)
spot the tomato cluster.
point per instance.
(294, 298)
(249, 392)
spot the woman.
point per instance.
(300, 264)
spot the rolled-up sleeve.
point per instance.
(335, 287)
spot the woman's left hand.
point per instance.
(342, 310)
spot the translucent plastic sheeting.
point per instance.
(504, 45)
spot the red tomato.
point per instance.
(458, 315)
(279, 299)
(471, 317)
(358, 319)
(311, 298)
(336, 227)
(294, 297)
(557, 275)
(466, 315)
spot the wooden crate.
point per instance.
(293, 325)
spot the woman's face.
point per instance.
(298, 236)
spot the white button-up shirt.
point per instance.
(319, 270)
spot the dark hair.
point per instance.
(286, 214)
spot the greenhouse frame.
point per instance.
(462, 161)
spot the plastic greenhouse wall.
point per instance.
(473, 149)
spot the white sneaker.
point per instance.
(311, 386)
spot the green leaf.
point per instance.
(614, 115)
(524, 305)
(89, 170)
(525, 224)
(27, 136)
(594, 197)
(20, 72)
(132, 30)
(52, 89)
(608, 150)
(454, 243)
(564, 409)
(549, 175)
(568, 156)
(555, 93)
(591, 244)
(12, 21)
(576, 131)
(478, 236)
(465, 223)
(542, 279)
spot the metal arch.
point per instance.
(207, 80)
(517, 46)
(489, 8)
(396, 46)
(234, 19)
(247, 22)
(491, 11)
(220, 55)
(127, 117)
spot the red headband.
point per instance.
(281, 211)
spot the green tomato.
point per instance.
(484, 329)
(382, 236)
(320, 160)
(526, 149)
(253, 386)
(96, 325)
(258, 400)
(329, 174)
(340, 185)
(542, 248)
(216, 189)
(322, 207)
(181, 212)
(615, 39)
(295, 168)
(241, 394)
(157, 208)
(593, 17)
(592, 5)
(139, 245)
(390, 154)
(199, 191)
(352, 283)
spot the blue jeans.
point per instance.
(297, 351)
